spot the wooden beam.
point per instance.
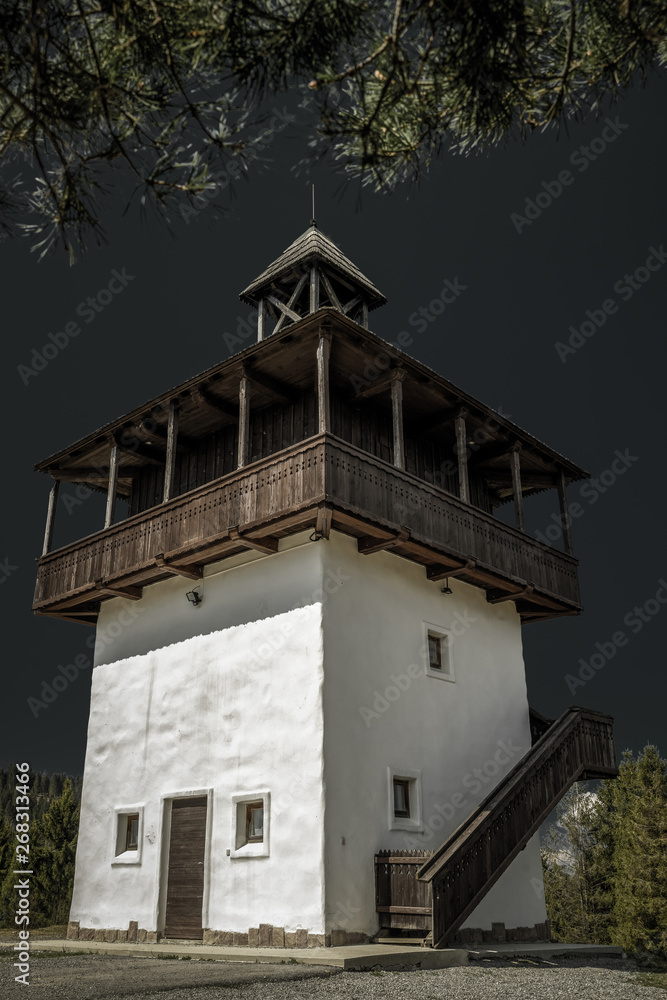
(515, 466)
(293, 299)
(323, 522)
(335, 301)
(285, 392)
(462, 455)
(364, 314)
(191, 572)
(131, 593)
(368, 544)
(488, 451)
(262, 329)
(170, 458)
(76, 617)
(564, 512)
(352, 304)
(496, 597)
(244, 422)
(314, 288)
(111, 489)
(136, 449)
(284, 309)
(438, 572)
(323, 405)
(267, 545)
(201, 393)
(50, 517)
(379, 385)
(397, 419)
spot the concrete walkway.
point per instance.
(352, 958)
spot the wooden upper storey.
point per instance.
(323, 424)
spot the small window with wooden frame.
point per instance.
(250, 825)
(402, 798)
(128, 825)
(438, 652)
(405, 811)
(132, 832)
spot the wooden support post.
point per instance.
(111, 489)
(244, 422)
(397, 419)
(364, 314)
(314, 288)
(170, 460)
(50, 517)
(261, 320)
(564, 512)
(323, 354)
(515, 466)
(462, 454)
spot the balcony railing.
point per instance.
(288, 487)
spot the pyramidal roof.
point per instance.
(313, 246)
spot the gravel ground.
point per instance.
(95, 976)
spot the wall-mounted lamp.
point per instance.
(447, 589)
(194, 597)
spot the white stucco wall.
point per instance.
(462, 736)
(233, 711)
(323, 714)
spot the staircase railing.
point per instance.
(576, 747)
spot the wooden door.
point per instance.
(185, 877)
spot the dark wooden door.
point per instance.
(185, 878)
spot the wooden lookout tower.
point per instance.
(309, 721)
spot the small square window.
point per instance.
(132, 832)
(405, 811)
(402, 798)
(254, 822)
(250, 825)
(437, 652)
(128, 825)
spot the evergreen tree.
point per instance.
(52, 856)
(576, 882)
(169, 90)
(640, 854)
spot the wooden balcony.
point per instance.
(322, 482)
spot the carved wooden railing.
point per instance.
(322, 468)
(576, 747)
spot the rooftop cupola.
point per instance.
(310, 274)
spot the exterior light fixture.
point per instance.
(447, 589)
(194, 597)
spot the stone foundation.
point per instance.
(264, 936)
(499, 934)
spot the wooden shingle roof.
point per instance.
(310, 246)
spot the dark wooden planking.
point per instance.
(185, 874)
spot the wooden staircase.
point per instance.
(577, 747)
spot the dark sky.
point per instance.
(523, 292)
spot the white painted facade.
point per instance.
(300, 677)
